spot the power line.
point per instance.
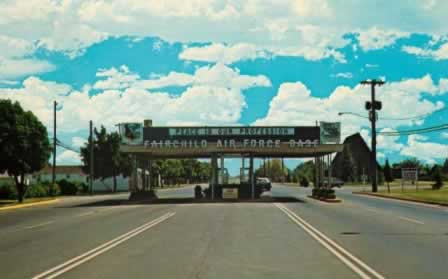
(416, 131)
(415, 117)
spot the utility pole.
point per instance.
(91, 158)
(53, 180)
(372, 107)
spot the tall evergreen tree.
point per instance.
(388, 176)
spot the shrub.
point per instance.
(8, 191)
(56, 188)
(304, 181)
(82, 187)
(323, 193)
(37, 191)
(67, 187)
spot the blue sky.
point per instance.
(222, 62)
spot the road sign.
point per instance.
(409, 174)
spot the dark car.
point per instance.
(264, 182)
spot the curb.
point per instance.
(28, 204)
(401, 199)
(326, 200)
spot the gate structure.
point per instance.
(146, 143)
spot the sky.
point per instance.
(229, 62)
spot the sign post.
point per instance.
(409, 174)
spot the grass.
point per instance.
(4, 203)
(425, 194)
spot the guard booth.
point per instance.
(145, 142)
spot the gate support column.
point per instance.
(214, 165)
(251, 175)
(149, 174)
(134, 184)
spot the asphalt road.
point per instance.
(361, 237)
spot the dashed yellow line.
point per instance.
(28, 204)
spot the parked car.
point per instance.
(335, 182)
(264, 182)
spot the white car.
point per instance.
(264, 182)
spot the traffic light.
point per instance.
(378, 105)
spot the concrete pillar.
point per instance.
(243, 168)
(214, 164)
(150, 174)
(222, 168)
(134, 183)
(283, 171)
(251, 176)
(329, 170)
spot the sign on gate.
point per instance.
(330, 132)
(230, 193)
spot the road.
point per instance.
(102, 237)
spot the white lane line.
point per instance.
(372, 210)
(85, 214)
(342, 254)
(39, 225)
(76, 261)
(411, 220)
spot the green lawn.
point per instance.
(425, 194)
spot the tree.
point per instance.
(305, 170)
(24, 144)
(273, 170)
(108, 161)
(445, 167)
(388, 175)
(437, 177)
(410, 163)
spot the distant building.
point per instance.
(353, 163)
(75, 174)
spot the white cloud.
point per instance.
(221, 53)
(388, 143)
(427, 151)
(443, 85)
(375, 38)
(218, 75)
(68, 157)
(312, 8)
(8, 82)
(115, 78)
(78, 142)
(294, 104)
(15, 68)
(11, 47)
(309, 28)
(437, 54)
(214, 96)
(346, 75)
